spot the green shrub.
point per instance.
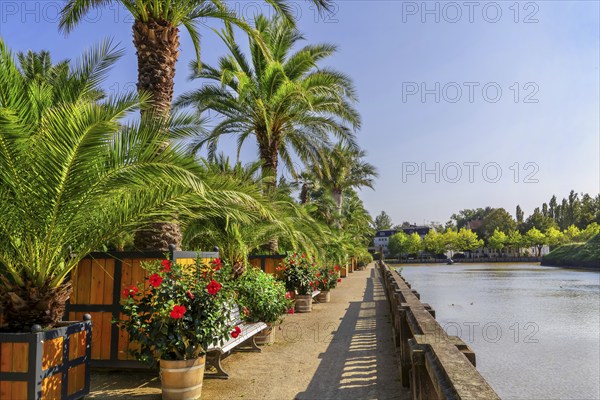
(261, 297)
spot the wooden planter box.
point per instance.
(46, 365)
(98, 282)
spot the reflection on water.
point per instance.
(535, 330)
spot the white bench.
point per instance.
(244, 342)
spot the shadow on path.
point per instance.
(360, 361)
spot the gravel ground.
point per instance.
(341, 350)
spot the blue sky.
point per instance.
(463, 90)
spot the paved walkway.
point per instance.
(341, 350)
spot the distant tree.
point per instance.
(398, 244)
(383, 221)
(405, 224)
(497, 219)
(539, 221)
(587, 211)
(415, 244)
(515, 241)
(535, 237)
(572, 233)
(468, 240)
(552, 208)
(545, 210)
(434, 242)
(465, 216)
(498, 240)
(554, 237)
(451, 240)
(590, 231)
(519, 214)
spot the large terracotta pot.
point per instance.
(266, 336)
(303, 303)
(182, 379)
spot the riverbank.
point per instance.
(467, 260)
(576, 255)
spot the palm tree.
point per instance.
(343, 168)
(282, 97)
(156, 39)
(236, 238)
(74, 175)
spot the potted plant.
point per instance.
(174, 316)
(299, 273)
(74, 174)
(327, 279)
(262, 299)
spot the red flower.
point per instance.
(318, 274)
(303, 255)
(190, 295)
(130, 291)
(236, 332)
(216, 264)
(337, 268)
(339, 279)
(213, 287)
(166, 265)
(155, 280)
(288, 295)
(177, 312)
(291, 310)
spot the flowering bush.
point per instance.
(299, 273)
(261, 296)
(179, 311)
(327, 278)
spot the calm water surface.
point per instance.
(535, 330)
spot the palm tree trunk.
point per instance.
(25, 306)
(157, 45)
(339, 199)
(270, 159)
(304, 193)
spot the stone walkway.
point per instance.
(341, 350)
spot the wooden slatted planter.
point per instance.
(267, 263)
(46, 365)
(98, 282)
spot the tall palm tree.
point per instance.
(281, 98)
(156, 39)
(343, 167)
(74, 175)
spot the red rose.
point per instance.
(155, 280)
(213, 287)
(236, 332)
(291, 310)
(318, 274)
(130, 291)
(216, 264)
(337, 268)
(190, 295)
(288, 295)
(339, 279)
(177, 312)
(166, 265)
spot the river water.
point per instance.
(535, 330)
